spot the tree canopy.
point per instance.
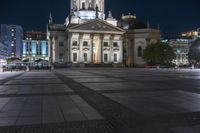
(158, 54)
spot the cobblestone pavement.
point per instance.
(100, 100)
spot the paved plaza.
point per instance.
(100, 100)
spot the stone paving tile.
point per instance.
(7, 121)
(22, 121)
(70, 110)
(154, 103)
(191, 129)
(89, 112)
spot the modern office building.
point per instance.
(12, 36)
(35, 46)
(3, 53)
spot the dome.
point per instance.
(130, 22)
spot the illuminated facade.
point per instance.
(35, 46)
(181, 49)
(192, 34)
(3, 53)
(12, 36)
(87, 37)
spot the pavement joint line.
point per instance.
(37, 94)
(90, 126)
(31, 84)
(135, 90)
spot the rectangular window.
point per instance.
(74, 43)
(85, 57)
(105, 44)
(115, 44)
(61, 44)
(115, 57)
(83, 5)
(85, 43)
(105, 57)
(74, 57)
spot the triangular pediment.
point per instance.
(96, 25)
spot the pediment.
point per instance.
(96, 25)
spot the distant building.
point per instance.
(3, 53)
(12, 35)
(193, 34)
(35, 46)
(181, 49)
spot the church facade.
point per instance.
(87, 37)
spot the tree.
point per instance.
(158, 54)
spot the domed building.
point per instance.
(136, 38)
(89, 37)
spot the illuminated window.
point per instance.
(115, 44)
(74, 43)
(74, 57)
(139, 51)
(105, 44)
(85, 43)
(85, 57)
(105, 57)
(115, 57)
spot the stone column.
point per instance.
(101, 43)
(92, 39)
(69, 47)
(50, 50)
(121, 51)
(80, 48)
(111, 48)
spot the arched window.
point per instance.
(83, 5)
(139, 51)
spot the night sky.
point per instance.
(174, 16)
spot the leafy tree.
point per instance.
(158, 54)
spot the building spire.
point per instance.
(97, 11)
(50, 18)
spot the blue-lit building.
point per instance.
(3, 53)
(12, 36)
(35, 46)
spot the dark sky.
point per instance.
(174, 16)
